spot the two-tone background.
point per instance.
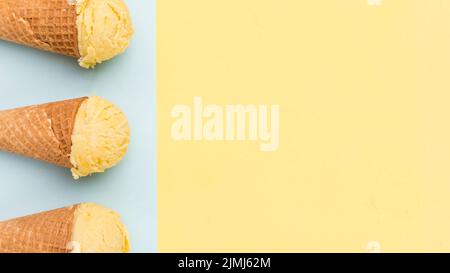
(364, 139)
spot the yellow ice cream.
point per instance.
(100, 137)
(97, 229)
(104, 30)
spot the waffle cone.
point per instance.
(44, 24)
(46, 232)
(42, 132)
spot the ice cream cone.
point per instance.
(44, 24)
(41, 132)
(78, 228)
(39, 233)
(92, 31)
(46, 132)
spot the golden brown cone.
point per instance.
(41, 132)
(44, 24)
(46, 232)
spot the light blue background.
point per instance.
(29, 76)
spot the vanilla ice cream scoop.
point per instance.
(87, 135)
(100, 137)
(97, 229)
(104, 30)
(92, 31)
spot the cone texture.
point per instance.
(46, 232)
(44, 24)
(42, 132)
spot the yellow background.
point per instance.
(364, 95)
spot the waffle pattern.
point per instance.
(46, 232)
(44, 24)
(41, 132)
